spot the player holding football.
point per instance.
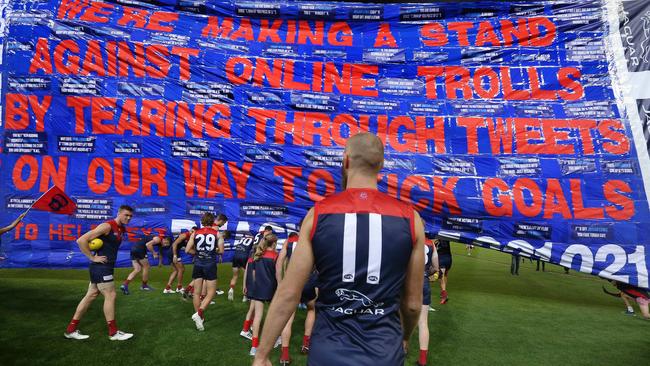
(102, 265)
(368, 249)
(204, 243)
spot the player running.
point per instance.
(102, 266)
(430, 267)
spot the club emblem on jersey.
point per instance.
(363, 195)
(352, 295)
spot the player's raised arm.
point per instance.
(411, 302)
(84, 240)
(13, 224)
(288, 293)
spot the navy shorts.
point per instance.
(250, 284)
(101, 273)
(206, 271)
(445, 262)
(138, 255)
(426, 292)
(239, 260)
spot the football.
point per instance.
(95, 244)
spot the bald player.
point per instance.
(368, 249)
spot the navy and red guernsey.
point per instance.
(264, 279)
(362, 241)
(205, 243)
(112, 242)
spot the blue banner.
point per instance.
(507, 124)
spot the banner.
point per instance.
(511, 125)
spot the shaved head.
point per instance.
(366, 153)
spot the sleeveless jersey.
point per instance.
(244, 245)
(264, 276)
(112, 242)
(183, 243)
(140, 246)
(205, 242)
(362, 241)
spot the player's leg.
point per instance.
(180, 268)
(233, 282)
(286, 340)
(172, 277)
(423, 334)
(310, 318)
(248, 321)
(211, 287)
(145, 274)
(71, 331)
(643, 306)
(443, 285)
(628, 304)
(198, 287)
(257, 322)
(136, 269)
(108, 291)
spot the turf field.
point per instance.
(492, 318)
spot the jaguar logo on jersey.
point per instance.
(645, 44)
(352, 295)
(368, 305)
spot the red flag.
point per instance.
(56, 201)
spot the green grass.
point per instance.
(492, 318)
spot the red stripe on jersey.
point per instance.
(364, 200)
(117, 229)
(428, 243)
(270, 254)
(206, 230)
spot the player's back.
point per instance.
(205, 242)
(362, 241)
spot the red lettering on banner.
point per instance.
(195, 175)
(47, 170)
(245, 31)
(92, 179)
(415, 181)
(17, 108)
(42, 58)
(154, 173)
(512, 33)
(537, 198)
(461, 29)
(471, 124)
(385, 37)
(345, 32)
(30, 232)
(240, 175)
(268, 33)
(98, 12)
(622, 207)
(500, 134)
(443, 195)
(159, 17)
(502, 206)
(486, 35)
(577, 201)
(134, 182)
(614, 131)
(70, 9)
(433, 35)
(64, 232)
(133, 17)
(556, 203)
(288, 174)
(315, 36)
(313, 180)
(391, 184)
(218, 182)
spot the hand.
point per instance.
(245, 290)
(175, 259)
(99, 259)
(405, 345)
(261, 362)
(155, 255)
(220, 258)
(19, 219)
